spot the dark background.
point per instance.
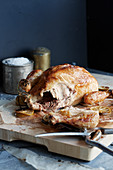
(100, 34)
(78, 31)
(59, 25)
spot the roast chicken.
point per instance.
(60, 86)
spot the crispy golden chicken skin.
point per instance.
(95, 97)
(61, 86)
(30, 81)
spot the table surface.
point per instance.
(7, 160)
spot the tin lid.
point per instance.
(41, 50)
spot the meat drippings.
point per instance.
(35, 122)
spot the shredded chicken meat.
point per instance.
(80, 118)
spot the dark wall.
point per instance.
(59, 25)
(100, 34)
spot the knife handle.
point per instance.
(107, 130)
(99, 145)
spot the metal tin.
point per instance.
(13, 74)
(41, 57)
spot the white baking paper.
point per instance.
(43, 162)
(8, 110)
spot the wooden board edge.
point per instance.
(52, 145)
(75, 151)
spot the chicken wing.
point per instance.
(30, 81)
(95, 97)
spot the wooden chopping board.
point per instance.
(12, 129)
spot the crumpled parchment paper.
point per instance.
(43, 162)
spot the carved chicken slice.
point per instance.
(61, 86)
(77, 117)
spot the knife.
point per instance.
(97, 132)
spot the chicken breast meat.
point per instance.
(60, 86)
